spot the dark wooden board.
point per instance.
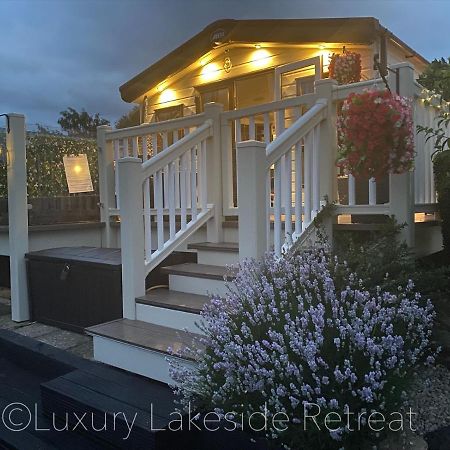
(144, 334)
(199, 271)
(180, 301)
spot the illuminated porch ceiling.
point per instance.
(300, 33)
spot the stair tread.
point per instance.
(199, 271)
(143, 334)
(181, 301)
(216, 246)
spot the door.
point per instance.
(289, 76)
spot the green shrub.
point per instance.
(442, 181)
(45, 168)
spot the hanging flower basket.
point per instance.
(375, 134)
(345, 68)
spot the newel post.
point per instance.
(253, 201)
(131, 233)
(401, 186)
(327, 142)
(106, 180)
(214, 232)
(18, 216)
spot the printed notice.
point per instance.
(78, 175)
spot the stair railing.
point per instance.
(164, 200)
(301, 163)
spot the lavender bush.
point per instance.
(302, 331)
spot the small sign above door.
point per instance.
(78, 175)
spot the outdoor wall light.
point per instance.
(210, 72)
(167, 95)
(260, 58)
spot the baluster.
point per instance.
(351, 190)
(237, 130)
(177, 174)
(266, 128)
(281, 118)
(171, 198)
(158, 189)
(315, 170)
(288, 196)
(372, 191)
(298, 188)
(183, 189)
(147, 208)
(308, 175)
(166, 172)
(203, 191)
(251, 128)
(134, 143)
(154, 144)
(116, 171)
(277, 209)
(188, 176)
(193, 185)
(125, 151)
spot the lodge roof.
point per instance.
(358, 30)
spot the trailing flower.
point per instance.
(345, 68)
(375, 134)
(299, 331)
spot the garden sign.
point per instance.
(78, 175)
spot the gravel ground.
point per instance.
(429, 396)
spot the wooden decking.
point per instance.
(180, 301)
(144, 335)
(199, 271)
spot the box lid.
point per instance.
(107, 257)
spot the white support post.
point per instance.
(214, 232)
(401, 186)
(18, 216)
(106, 180)
(327, 142)
(131, 234)
(253, 201)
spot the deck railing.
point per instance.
(175, 176)
(262, 123)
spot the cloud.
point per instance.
(60, 53)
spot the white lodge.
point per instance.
(236, 155)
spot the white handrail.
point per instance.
(307, 99)
(291, 136)
(174, 151)
(157, 127)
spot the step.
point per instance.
(173, 309)
(216, 253)
(139, 347)
(202, 279)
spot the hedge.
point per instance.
(46, 176)
(442, 181)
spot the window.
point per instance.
(305, 85)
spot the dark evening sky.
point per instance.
(60, 53)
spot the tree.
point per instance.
(436, 77)
(130, 119)
(80, 124)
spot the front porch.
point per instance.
(201, 192)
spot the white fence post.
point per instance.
(401, 186)
(131, 233)
(328, 142)
(214, 230)
(106, 180)
(18, 216)
(253, 201)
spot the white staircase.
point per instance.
(166, 317)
